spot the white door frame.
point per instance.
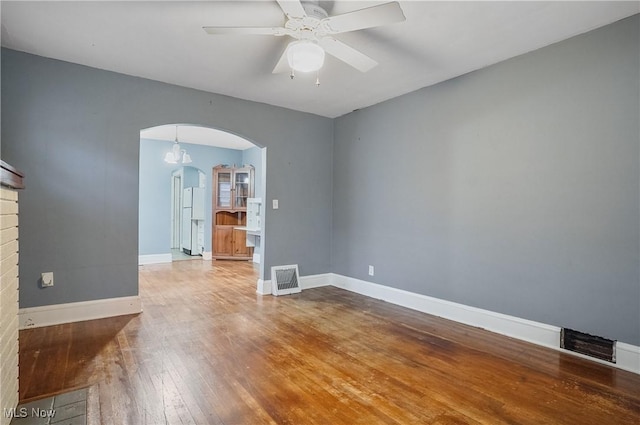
(176, 209)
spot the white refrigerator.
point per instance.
(193, 221)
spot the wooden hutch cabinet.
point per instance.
(231, 188)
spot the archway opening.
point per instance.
(170, 228)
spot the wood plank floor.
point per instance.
(208, 350)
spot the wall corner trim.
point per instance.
(263, 287)
(154, 259)
(628, 356)
(48, 315)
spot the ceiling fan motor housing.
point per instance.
(314, 11)
(310, 26)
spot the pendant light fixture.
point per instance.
(177, 154)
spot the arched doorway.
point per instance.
(162, 185)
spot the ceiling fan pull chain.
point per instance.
(318, 79)
(293, 74)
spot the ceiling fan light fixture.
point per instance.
(305, 56)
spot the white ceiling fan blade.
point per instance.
(245, 30)
(383, 14)
(292, 8)
(347, 54)
(283, 63)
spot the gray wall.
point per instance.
(75, 132)
(514, 188)
(154, 224)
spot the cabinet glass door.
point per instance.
(242, 189)
(223, 199)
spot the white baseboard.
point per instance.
(306, 282)
(527, 330)
(627, 355)
(316, 280)
(256, 258)
(207, 255)
(154, 259)
(35, 317)
(264, 287)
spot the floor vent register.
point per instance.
(285, 280)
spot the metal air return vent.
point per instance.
(285, 280)
(590, 345)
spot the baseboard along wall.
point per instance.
(627, 355)
(154, 259)
(48, 315)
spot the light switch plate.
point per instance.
(275, 204)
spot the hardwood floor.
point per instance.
(208, 350)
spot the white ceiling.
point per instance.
(164, 41)
(196, 135)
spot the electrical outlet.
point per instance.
(47, 279)
(370, 270)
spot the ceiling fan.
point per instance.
(313, 30)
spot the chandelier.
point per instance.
(177, 154)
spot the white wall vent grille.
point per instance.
(285, 280)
